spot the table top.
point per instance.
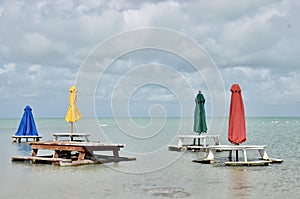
(26, 136)
(74, 143)
(233, 147)
(198, 136)
(70, 134)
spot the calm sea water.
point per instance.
(157, 172)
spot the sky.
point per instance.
(149, 58)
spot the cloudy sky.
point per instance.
(46, 46)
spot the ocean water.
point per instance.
(157, 172)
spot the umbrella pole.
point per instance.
(230, 155)
(237, 155)
(72, 129)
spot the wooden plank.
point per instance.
(201, 138)
(76, 163)
(71, 135)
(204, 161)
(274, 160)
(249, 163)
(26, 137)
(237, 147)
(23, 158)
(58, 147)
(176, 148)
(198, 136)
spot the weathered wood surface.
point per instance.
(26, 137)
(201, 138)
(187, 148)
(201, 146)
(34, 159)
(71, 136)
(84, 152)
(249, 163)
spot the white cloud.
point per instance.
(33, 72)
(7, 68)
(254, 43)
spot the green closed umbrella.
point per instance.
(199, 115)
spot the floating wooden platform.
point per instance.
(69, 162)
(19, 138)
(84, 153)
(274, 160)
(204, 161)
(192, 148)
(249, 163)
(40, 159)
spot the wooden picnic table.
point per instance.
(85, 152)
(264, 161)
(71, 136)
(83, 148)
(202, 139)
(182, 146)
(244, 148)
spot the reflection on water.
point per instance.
(24, 148)
(239, 182)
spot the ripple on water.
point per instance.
(169, 192)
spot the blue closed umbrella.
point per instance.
(27, 124)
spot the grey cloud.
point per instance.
(254, 43)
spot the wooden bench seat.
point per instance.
(18, 138)
(202, 138)
(71, 136)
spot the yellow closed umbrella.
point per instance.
(73, 113)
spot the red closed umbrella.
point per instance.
(237, 124)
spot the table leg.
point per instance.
(263, 154)
(217, 141)
(34, 152)
(56, 154)
(81, 155)
(245, 155)
(211, 154)
(204, 142)
(230, 155)
(180, 142)
(116, 154)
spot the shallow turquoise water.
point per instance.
(157, 172)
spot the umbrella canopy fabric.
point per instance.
(199, 114)
(27, 125)
(237, 124)
(73, 113)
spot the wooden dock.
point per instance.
(264, 161)
(18, 138)
(63, 153)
